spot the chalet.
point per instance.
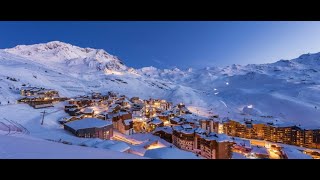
(136, 100)
(165, 116)
(90, 128)
(97, 102)
(73, 111)
(137, 111)
(155, 122)
(81, 101)
(70, 118)
(120, 123)
(70, 106)
(29, 91)
(176, 121)
(126, 127)
(38, 105)
(96, 95)
(112, 95)
(88, 112)
(114, 108)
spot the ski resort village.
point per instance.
(155, 128)
(58, 100)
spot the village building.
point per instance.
(123, 122)
(164, 133)
(215, 146)
(155, 122)
(90, 128)
(208, 145)
(88, 112)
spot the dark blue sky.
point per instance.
(175, 44)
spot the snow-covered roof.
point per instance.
(91, 142)
(199, 130)
(166, 129)
(88, 110)
(112, 145)
(88, 123)
(169, 153)
(156, 121)
(176, 119)
(127, 122)
(123, 113)
(104, 144)
(218, 137)
(119, 146)
(186, 126)
(293, 153)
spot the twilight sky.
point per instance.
(179, 44)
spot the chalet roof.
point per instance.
(184, 130)
(199, 131)
(88, 110)
(114, 106)
(88, 123)
(123, 113)
(166, 129)
(186, 126)
(156, 121)
(176, 119)
(104, 113)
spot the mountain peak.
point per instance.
(63, 53)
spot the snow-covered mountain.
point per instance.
(287, 90)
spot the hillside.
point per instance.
(284, 91)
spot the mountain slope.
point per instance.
(287, 90)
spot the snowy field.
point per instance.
(285, 91)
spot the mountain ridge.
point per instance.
(271, 88)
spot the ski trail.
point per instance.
(223, 103)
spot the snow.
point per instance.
(23, 147)
(164, 129)
(238, 156)
(156, 121)
(91, 142)
(218, 137)
(186, 126)
(87, 123)
(259, 150)
(104, 144)
(287, 91)
(119, 146)
(169, 153)
(127, 122)
(88, 110)
(293, 153)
